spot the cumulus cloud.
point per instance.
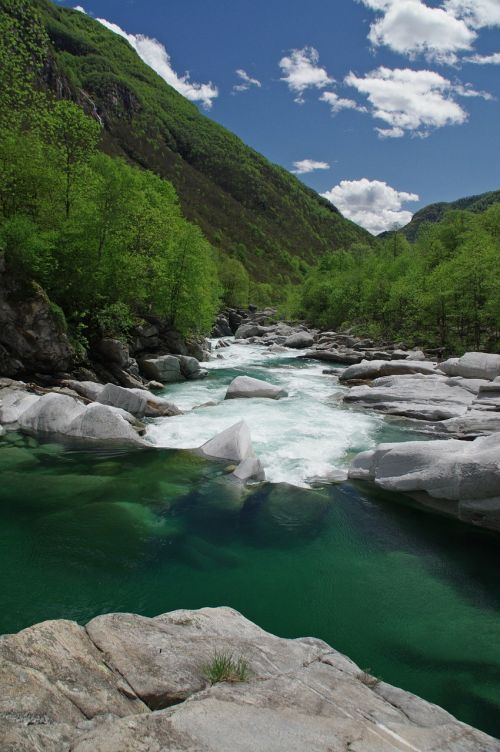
(337, 103)
(372, 204)
(304, 166)
(80, 8)
(410, 27)
(412, 101)
(154, 54)
(246, 81)
(476, 13)
(301, 71)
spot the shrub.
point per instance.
(225, 668)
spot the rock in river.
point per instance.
(247, 387)
(458, 478)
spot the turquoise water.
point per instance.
(410, 596)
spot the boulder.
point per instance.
(247, 387)
(344, 357)
(114, 351)
(66, 416)
(277, 348)
(234, 444)
(166, 368)
(190, 368)
(457, 478)
(373, 369)
(88, 389)
(14, 402)
(473, 365)
(299, 341)
(250, 330)
(128, 683)
(250, 469)
(222, 327)
(412, 396)
(474, 423)
(126, 399)
(157, 407)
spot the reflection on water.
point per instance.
(411, 596)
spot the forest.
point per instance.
(443, 290)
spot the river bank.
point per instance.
(125, 683)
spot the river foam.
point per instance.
(301, 439)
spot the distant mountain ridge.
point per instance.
(436, 212)
(245, 205)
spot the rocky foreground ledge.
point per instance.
(127, 683)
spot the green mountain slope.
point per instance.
(245, 205)
(436, 212)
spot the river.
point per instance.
(410, 596)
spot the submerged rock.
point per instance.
(126, 683)
(458, 478)
(247, 387)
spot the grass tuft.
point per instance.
(225, 668)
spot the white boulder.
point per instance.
(247, 387)
(126, 399)
(473, 365)
(458, 478)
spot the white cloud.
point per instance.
(410, 27)
(246, 81)
(154, 54)
(476, 13)
(371, 203)
(304, 166)
(411, 101)
(493, 59)
(301, 71)
(79, 7)
(337, 103)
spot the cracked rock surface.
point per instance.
(127, 683)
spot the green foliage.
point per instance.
(444, 290)
(23, 47)
(225, 668)
(253, 211)
(105, 240)
(234, 280)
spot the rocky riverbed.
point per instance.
(127, 683)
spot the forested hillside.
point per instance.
(436, 212)
(442, 291)
(103, 241)
(247, 207)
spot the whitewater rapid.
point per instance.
(305, 438)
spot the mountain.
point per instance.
(435, 212)
(245, 205)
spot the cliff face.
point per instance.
(32, 336)
(127, 683)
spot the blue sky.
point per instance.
(381, 105)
